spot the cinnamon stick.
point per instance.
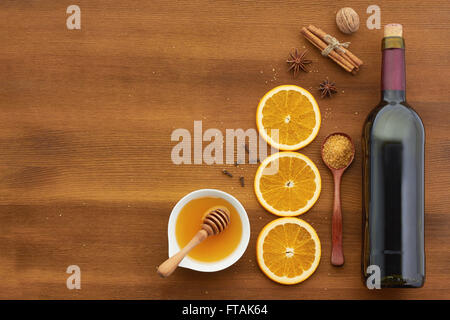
(321, 45)
(347, 53)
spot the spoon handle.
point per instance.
(169, 266)
(337, 253)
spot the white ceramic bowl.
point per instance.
(216, 265)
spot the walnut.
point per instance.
(347, 20)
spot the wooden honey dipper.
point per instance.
(215, 220)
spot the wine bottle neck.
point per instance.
(393, 95)
(393, 84)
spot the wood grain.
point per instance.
(85, 151)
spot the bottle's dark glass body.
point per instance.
(393, 185)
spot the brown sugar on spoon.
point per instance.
(215, 221)
(337, 151)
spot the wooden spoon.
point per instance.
(215, 220)
(337, 253)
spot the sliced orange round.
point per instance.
(287, 183)
(288, 117)
(288, 250)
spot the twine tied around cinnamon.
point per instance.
(343, 57)
(334, 43)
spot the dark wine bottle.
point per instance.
(393, 178)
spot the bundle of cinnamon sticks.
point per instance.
(332, 48)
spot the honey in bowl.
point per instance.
(214, 248)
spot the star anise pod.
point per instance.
(298, 62)
(327, 88)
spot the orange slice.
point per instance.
(287, 183)
(288, 117)
(288, 250)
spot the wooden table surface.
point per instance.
(86, 118)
